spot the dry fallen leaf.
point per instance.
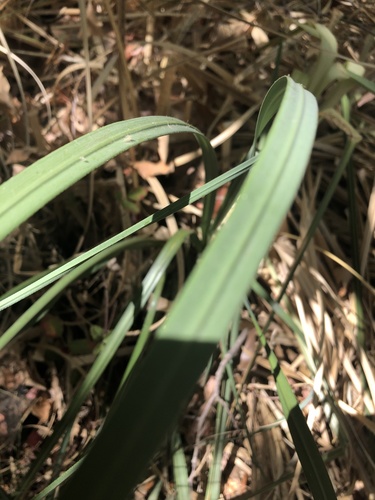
(42, 407)
(5, 97)
(17, 168)
(151, 169)
(18, 155)
(259, 36)
(95, 26)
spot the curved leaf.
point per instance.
(148, 405)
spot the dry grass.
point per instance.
(209, 64)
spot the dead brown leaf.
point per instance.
(17, 155)
(95, 26)
(42, 407)
(151, 169)
(5, 97)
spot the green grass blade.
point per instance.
(180, 471)
(42, 304)
(268, 110)
(214, 478)
(319, 73)
(24, 194)
(155, 493)
(364, 82)
(311, 461)
(145, 334)
(33, 285)
(56, 483)
(343, 83)
(228, 389)
(149, 403)
(110, 346)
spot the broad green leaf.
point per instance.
(149, 403)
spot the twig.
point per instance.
(215, 397)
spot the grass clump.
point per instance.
(124, 310)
